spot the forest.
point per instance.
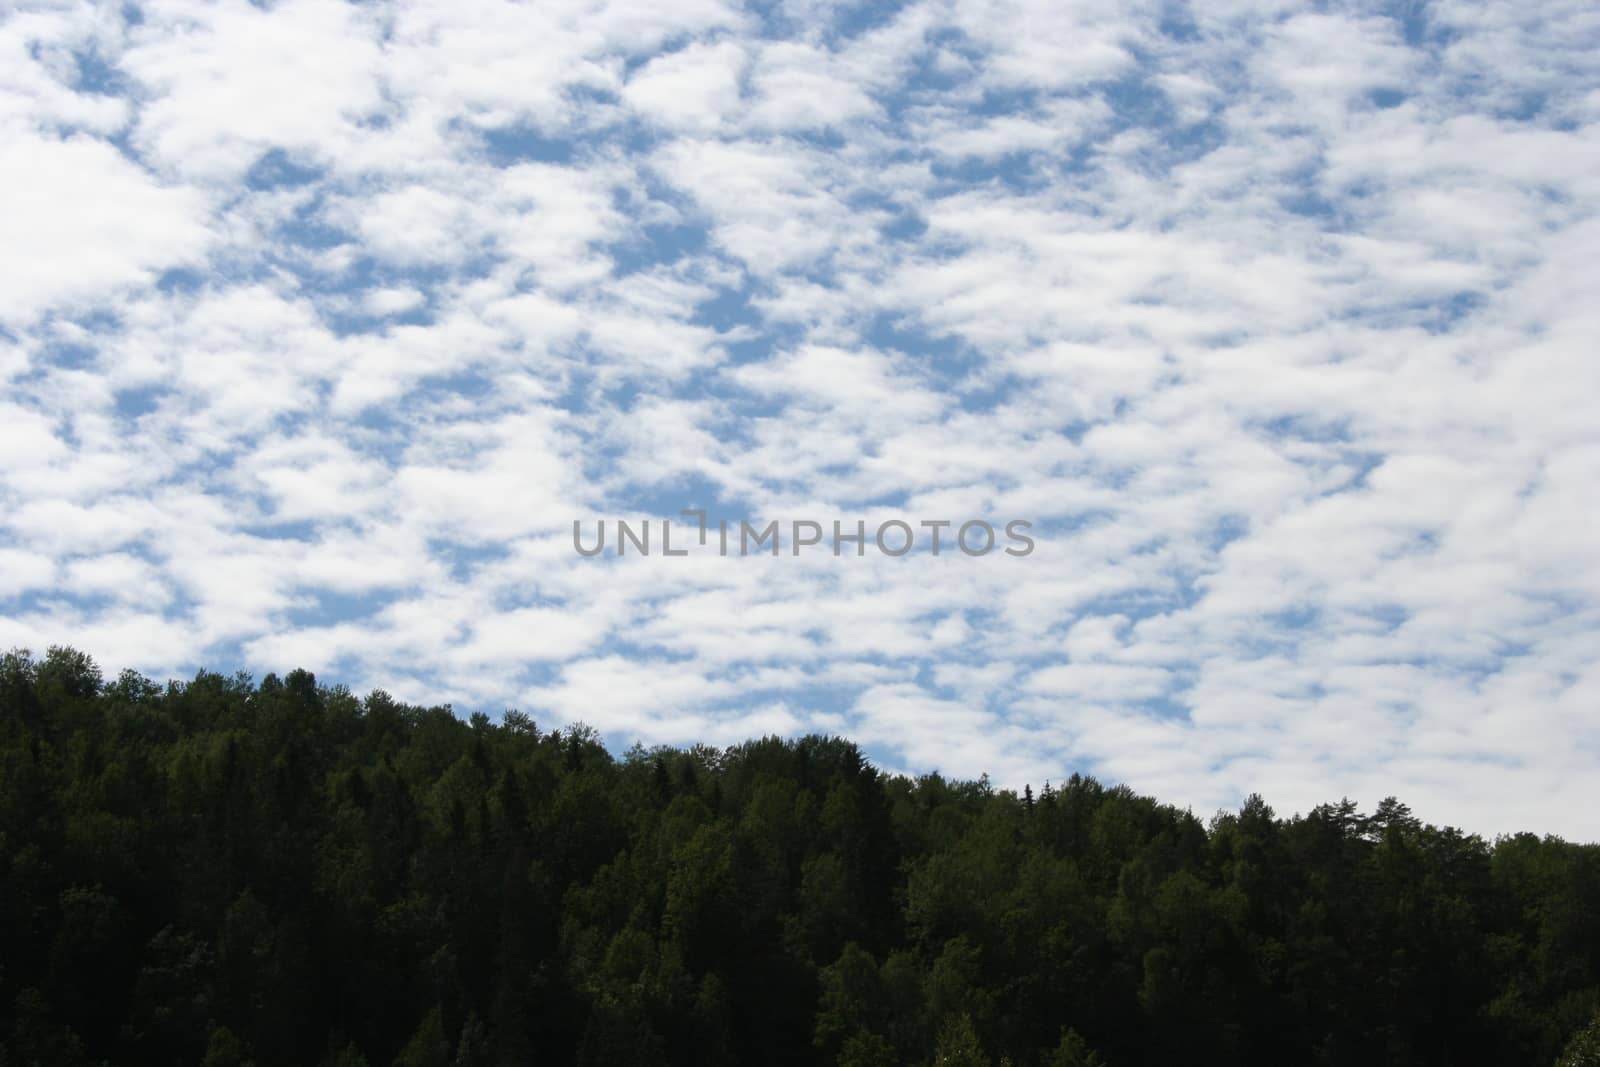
(224, 872)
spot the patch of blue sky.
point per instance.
(437, 397)
(825, 138)
(671, 44)
(803, 697)
(1563, 605)
(270, 529)
(1361, 464)
(70, 342)
(876, 501)
(984, 394)
(655, 244)
(1308, 202)
(733, 308)
(1473, 667)
(465, 384)
(851, 21)
(277, 169)
(947, 362)
(1386, 98)
(1420, 543)
(1288, 623)
(309, 228)
(44, 603)
(327, 607)
(1307, 426)
(181, 281)
(668, 498)
(1390, 616)
(1146, 602)
(1449, 313)
(1177, 23)
(905, 225)
(95, 75)
(1303, 195)
(371, 272)
(351, 317)
(582, 391)
(386, 432)
(1227, 530)
(737, 412)
(1418, 27)
(1021, 172)
(382, 430)
(926, 80)
(1167, 706)
(57, 354)
(465, 561)
(506, 146)
(756, 345)
(1224, 337)
(1183, 587)
(1138, 102)
(135, 403)
(1104, 473)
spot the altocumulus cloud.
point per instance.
(320, 323)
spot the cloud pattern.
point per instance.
(320, 322)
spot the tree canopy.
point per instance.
(230, 872)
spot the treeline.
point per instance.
(221, 872)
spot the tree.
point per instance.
(428, 1047)
(958, 1045)
(1073, 1051)
(1584, 1048)
(225, 1050)
(218, 872)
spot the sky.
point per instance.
(322, 322)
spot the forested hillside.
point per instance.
(229, 872)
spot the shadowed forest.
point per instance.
(226, 872)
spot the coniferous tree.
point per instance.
(228, 872)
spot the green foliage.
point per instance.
(1073, 1051)
(226, 872)
(428, 1047)
(1584, 1048)
(226, 1050)
(958, 1045)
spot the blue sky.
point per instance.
(321, 322)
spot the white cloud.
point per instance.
(693, 89)
(81, 220)
(393, 300)
(229, 81)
